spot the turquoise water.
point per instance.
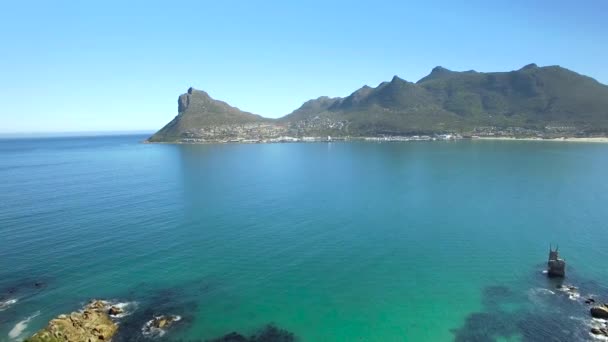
(415, 241)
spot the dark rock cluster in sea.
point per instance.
(269, 333)
(146, 314)
(14, 292)
(163, 313)
(160, 314)
(550, 310)
(600, 312)
(22, 288)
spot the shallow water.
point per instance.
(415, 241)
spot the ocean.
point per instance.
(343, 241)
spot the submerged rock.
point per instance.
(159, 324)
(91, 324)
(600, 311)
(269, 333)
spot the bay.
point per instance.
(356, 241)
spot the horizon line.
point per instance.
(59, 134)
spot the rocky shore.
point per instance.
(600, 314)
(92, 323)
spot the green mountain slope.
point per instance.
(530, 97)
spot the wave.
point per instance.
(571, 291)
(540, 291)
(8, 303)
(20, 327)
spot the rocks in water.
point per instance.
(600, 311)
(570, 290)
(115, 311)
(272, 334)
(91, 324)
(269, 333)
(232, 337)
(159, 324)
(589, 301)
(20, 289)
(600, 331)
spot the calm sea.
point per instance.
(415, 241)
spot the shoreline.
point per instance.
(564, 139)
(388, 139)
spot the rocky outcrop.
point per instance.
(600, 311)
(184, 101)
(556, 267)
(159, 325)
(91, 324)
(161, 322)
(600, 331)
(115, 311)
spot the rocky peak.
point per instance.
(437, 72)
(397, 79)
(184, 100)
(530, 66)
(439, 69)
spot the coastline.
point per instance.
(563, 139)
(386, 139)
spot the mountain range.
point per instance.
(533, 100)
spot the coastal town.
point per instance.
(320, 129)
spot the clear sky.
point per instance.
(120, 65)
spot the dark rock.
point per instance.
(556, 267)
(589, 301)
(273, 334)
(232, 337)
(600, 331)
(269, 333)
(600, 311)
(114, 310)
(162, 322)
(184, 101)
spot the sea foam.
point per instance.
(6, 304)
(150, 331)
(20, 327)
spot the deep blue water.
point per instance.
(415, 241)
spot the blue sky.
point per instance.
(120, 65)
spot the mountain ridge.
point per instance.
(531, 99)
